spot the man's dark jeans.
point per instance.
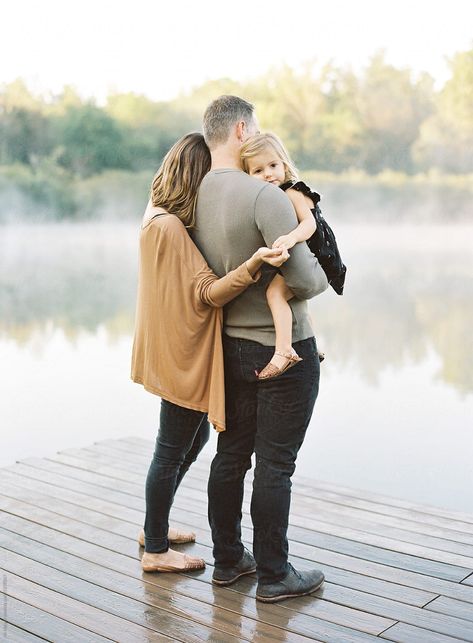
(181, 436)
(268, 418)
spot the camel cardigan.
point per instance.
(177, 348)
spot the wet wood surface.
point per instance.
(70, 561)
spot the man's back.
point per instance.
(236, 214)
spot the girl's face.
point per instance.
(267, 166)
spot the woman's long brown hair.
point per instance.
(175, 184)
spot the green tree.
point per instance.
(91, 141)
(24, 130)
(150, 128)
(337, 134)
(290, 103)
(391, 107)
(24, 135)
(446, 137)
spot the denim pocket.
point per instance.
(306, 347)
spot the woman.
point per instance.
(177, 348)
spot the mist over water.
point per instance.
(395, 408)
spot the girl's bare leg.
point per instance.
(277, 296)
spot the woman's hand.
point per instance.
(273, 256)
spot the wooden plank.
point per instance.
(348, 494)
(375, 522)
(370, 547)
(299, 504)
(28, 612)
(120, 497)
(88, 617)
(72, 523)
(391, 510)
(238, 602)
(376, 498)
(56, 474)
(94, 503)
(452, 607)
(333, 514)
(321, 556)
(300, 527)
(449, 625)
(120, 455)
(339, 614)
(422, 547)
(334, 595)
(327, 511)
(125, 527)
(211, 615)
(382, 607)
(13, 634)
(401, 528)
(226, 620)
(330, 561)
(402, 633)
(47, 626)
(316, 484)
(50, 518)
(403, 555)
(162, 619)
(98, 480)
(359, 581)
(356, 581)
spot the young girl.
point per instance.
(264, 157)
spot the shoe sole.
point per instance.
(171, 569)
(281, 597)
(222, 583)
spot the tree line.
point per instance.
(330, 118)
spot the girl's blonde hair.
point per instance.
(177, 181)
(261, 142)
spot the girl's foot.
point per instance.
(170, 561)
(280, 363)
(174, 536)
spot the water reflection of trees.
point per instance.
(399, 305)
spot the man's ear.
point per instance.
(240, 131)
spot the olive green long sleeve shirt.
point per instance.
(235, 215)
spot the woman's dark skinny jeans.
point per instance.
(181, 436)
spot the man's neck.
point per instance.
(224, 158)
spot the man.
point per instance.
(235, 215)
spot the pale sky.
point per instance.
(161, 48)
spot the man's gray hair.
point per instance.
(221, 115)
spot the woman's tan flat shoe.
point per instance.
(170, 561)
(174, 536)
(271, 370)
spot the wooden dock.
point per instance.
(70, 563)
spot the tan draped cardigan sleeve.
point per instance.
(177, 347)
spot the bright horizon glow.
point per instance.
(161, 51)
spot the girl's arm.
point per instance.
(307, 225)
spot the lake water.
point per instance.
(395, 409)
